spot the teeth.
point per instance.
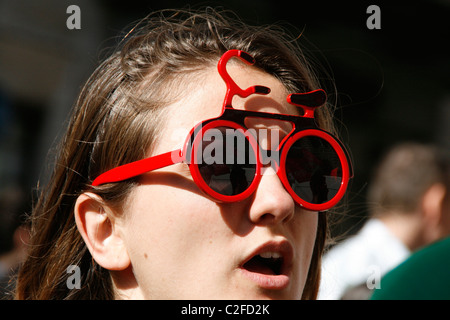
(269, 254)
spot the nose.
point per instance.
(272, 204)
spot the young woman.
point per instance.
(133, 206)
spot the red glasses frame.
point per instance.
(302, 126)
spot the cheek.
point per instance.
(304, 236)
(168, 239)
(160, 216)
(304, 229)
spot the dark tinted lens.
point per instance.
(227, 161)
(313, 169)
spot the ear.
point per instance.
(432, 204)
(98, 227)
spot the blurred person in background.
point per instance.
(13, 236)
(407, 203)
(11, 260)
(423, 276)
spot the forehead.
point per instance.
(206, 94)
(274, 102)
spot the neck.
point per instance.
(125, 285)
(407, 227)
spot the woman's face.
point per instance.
(183, 245)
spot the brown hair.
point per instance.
(403, 176)
(113, 115)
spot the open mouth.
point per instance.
(268, 263)
(269, 266)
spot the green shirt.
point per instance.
(425, 275)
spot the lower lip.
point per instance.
(270, 282)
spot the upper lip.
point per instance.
(282, 248)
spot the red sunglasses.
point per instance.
(313, 166)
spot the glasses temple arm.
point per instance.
(139, 167)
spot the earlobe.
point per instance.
(97, 225)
